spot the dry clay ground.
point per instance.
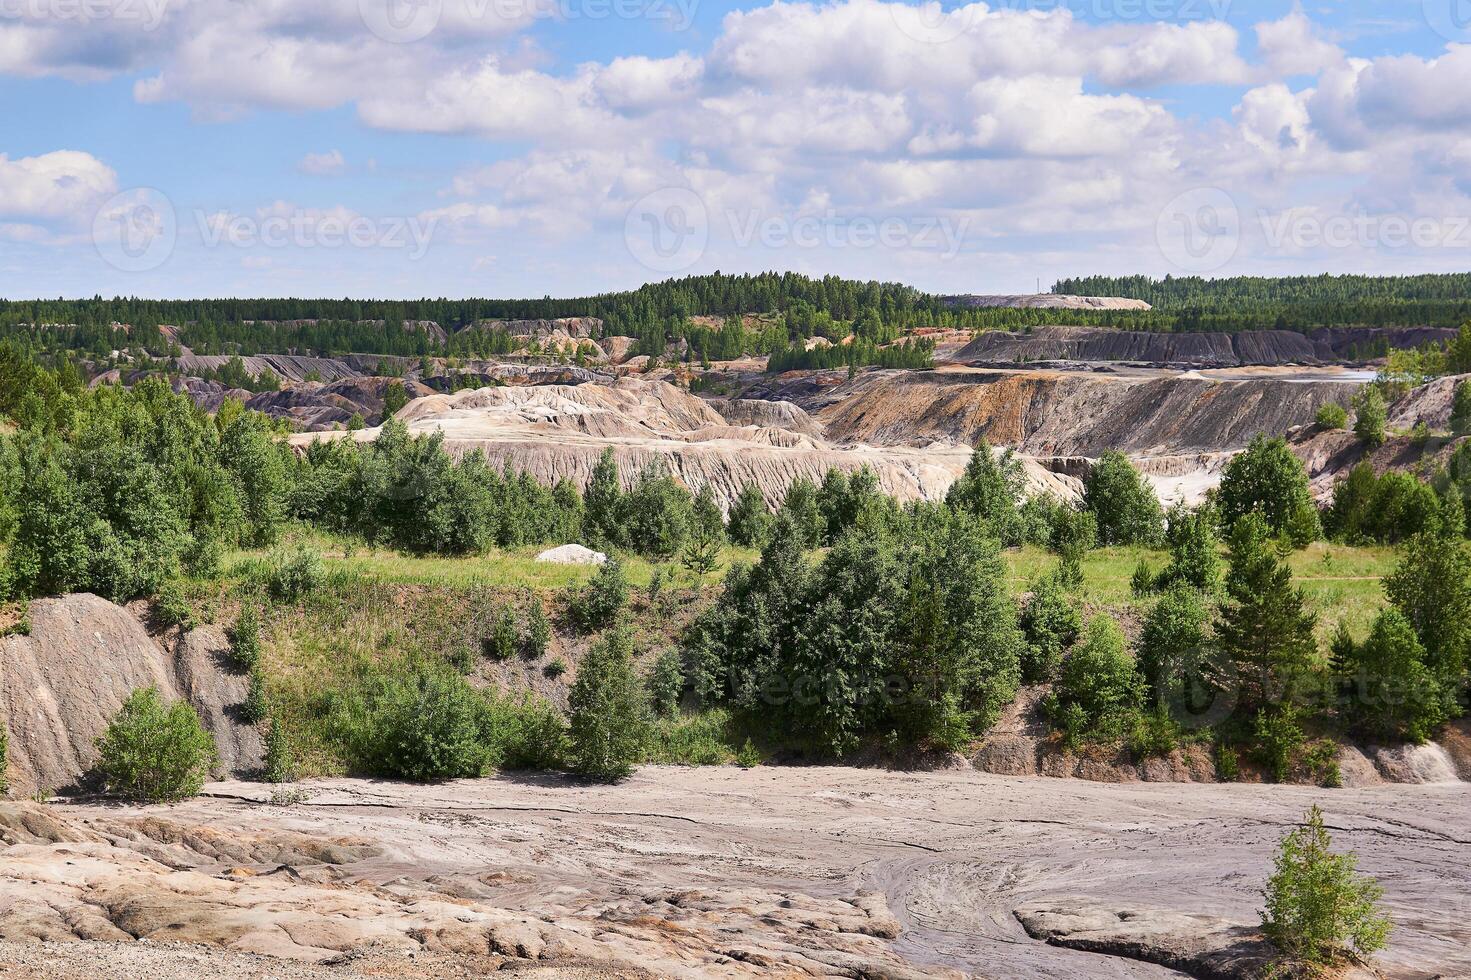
(707, 872)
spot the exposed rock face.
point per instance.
(317, 407)
(61, 686)
(288, 367)
(1203, 946)
(1048, 301)
(516, 375)
(558, 432)
(1186, 349)
(575, 327)
(1061, 414)
(767, 414)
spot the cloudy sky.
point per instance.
(404, 148)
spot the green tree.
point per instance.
(245, 639)
(655, 515)
(538, 629)
(750, 521)
(1461, 409)
(1431, 586)
(154, 752)
(395, 397)
(1126, 508)
(602, 502)
(1267, 479)
(666, 683)
(1393, 693)
(992, 488)
(1195, 558)
(1098, 690)
(1051, 622)
(422, 723)
(1172, 646)
(802, 506)
(598, 604)
(504, 638)
(1319, 910)
(608, 731)
(1371, 417)
(1265, 633)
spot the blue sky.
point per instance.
(403, 148)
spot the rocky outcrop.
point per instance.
(288, 367)
(575, 327)
(62, 684)
(516, 375)
(1044, 413)
(559, 432)
(1047, 301)
(767, 414)
(1203, 946)
(319, 407)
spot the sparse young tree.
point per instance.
(1098, 689)
(1461, 409)
(1320, 911)
(608, 730)
(1372, 416)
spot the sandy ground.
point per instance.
(954, 852)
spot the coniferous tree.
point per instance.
(1265, 634)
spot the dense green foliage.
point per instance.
(909, 631)
(154, 752)
(1390, 508)
(1123, 503)
(1267, 479)
(1320, 911)
(609, 727)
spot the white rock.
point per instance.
(573, 554)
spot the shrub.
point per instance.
(555, 668)
(415, 723)
(245, 639)
(1319, 910)
(1279, 737)
(609, 724)
(280, 764)
(293, 574)
(504, 638)
(1098, 690)
(1141, 583)
(1332, 415)
(171, 607)
(665, 684)
(1393, 693)
(254, 708)
(1461, 409)
(154, 753)
(1195, 558)
(1051, 623)
(597, 605)
(748, 757)
(1372, 415)
(538, 630)
(522, 731)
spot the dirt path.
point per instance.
(954, 852)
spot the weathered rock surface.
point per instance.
(61, 685)
(1203, 946)
(1046, 413)
(576, 327)
(717, 872)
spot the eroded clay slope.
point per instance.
(559, 432)
(63, 683)
(1045, 413)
